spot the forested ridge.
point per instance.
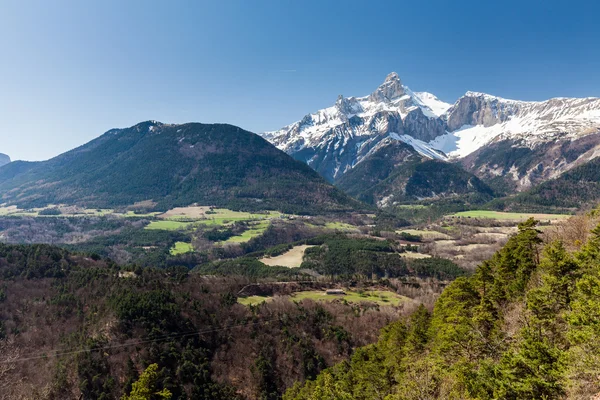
(167, 166)
(526, 325)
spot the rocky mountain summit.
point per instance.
(4, 159)
(335, 139)
(521, 143)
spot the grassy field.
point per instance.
(181, 248)
(340, 226)
(508, 215)
(380, 297)
(410, 254)
(290, 259)
(256, 230)
(253, 300)
(168, 225)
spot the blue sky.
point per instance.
(71, 70)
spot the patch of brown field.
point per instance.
(187, 212)
(290, 259)
(490, 236)
(144, 204)
(414, 255)
(506, 230)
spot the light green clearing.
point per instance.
(168, 225)
(253, 300)
(380, 297)
(508, 215)
(412, 206)
(340, 226)
(228, 217)
(181, 248)
(256, 230)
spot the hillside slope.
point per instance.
(524, 326)
(173, 165)
(396, 173)
(75, 327)
(578, 188)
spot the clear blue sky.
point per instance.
(71, 70)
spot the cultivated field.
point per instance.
(257, 229)
(380, 297)
(169, 225)
(290, 259)
(509, 216)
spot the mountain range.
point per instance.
(393, 146)
(511, 145)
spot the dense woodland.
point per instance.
(524, 326)
(73, 325)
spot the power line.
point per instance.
(58, 353)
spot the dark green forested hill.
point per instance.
(75, 327)
(573, 189)
(397, 173)
(526, 325)
(173, 165)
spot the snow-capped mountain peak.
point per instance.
(335, 139)
(349, 129)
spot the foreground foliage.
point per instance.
(146, 333)
(526, 325)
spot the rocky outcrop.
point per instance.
(419, 126)
(480, 109)
(390, 89)
(514, 166)
(4, 159)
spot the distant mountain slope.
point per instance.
(4, 159)
(513, 165)
(396, 173)
(529, 141)
(173, 165)
(574, 189)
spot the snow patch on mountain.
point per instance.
(431, 105)
(425, 149)
(532, 122)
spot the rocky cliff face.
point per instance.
(4, 159)
(480, 109)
